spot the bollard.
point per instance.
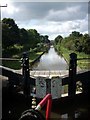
(72, 74)
(25, 72)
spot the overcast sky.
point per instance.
(49, 18)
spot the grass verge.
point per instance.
(12, 64)
(83, 64)
(34, 56)
(17, 64)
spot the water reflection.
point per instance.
(51, 61)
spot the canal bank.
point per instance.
(16, 63)
(82, 64)
(36, 59)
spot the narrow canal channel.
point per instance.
(50, 61)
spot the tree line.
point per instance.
(76, 41)
(16, 40)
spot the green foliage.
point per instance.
(12, 64)
(23, 37)
(10, 33)
(77, 42)
(86, 42)
(58, 39)
(75, 34)
(15, 40)
(33, 56)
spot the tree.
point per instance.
(58, 39)
(78, 45)
(34, 37)
(5, 36)
(75, 34)
(10, 32)
(15, 40)
(86, 43)
(23, 36)
(46, 40)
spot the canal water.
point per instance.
(50, 61)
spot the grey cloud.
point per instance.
(70, 13)
(30, 10)
(51, 18)
(41, 10)
(50, 0)
(76, 26)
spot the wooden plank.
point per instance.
(32, 73)
(49, 73)
(42, 73)
(57, 73)
(52, 72)
(64, 72)
(46, 73)
(37, 73)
